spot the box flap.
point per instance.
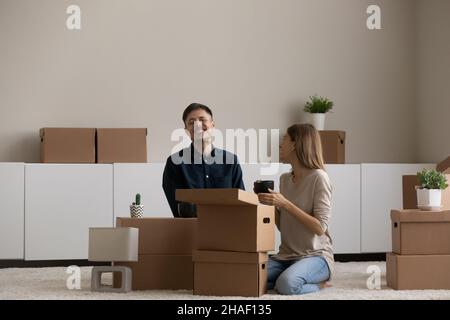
(414, 215)
(229, 257)
(444, 166)
(230, 197)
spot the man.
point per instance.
(199, 166)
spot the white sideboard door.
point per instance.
(61, 202)
(11, 211)
(381, 191)
(345, 225)
(143, 178)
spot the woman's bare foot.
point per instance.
(324, 285)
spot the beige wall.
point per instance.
(140, 62)
(434, 80)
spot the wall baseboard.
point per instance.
(84, 263)
(48, 263)
(360, 257)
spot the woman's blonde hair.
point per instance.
(308, 146)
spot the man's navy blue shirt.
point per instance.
(192, 170)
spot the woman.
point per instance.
(303, 207)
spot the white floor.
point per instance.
(350, 282)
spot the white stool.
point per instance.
(96, 278)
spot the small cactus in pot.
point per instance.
(137, 209)
(138, 199)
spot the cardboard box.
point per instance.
(333, 146)
(67, 145)
(416, 232)
(410, 195)
(159, 272)
(113, 244)
(230, 273)
(409, 183)
(122, 145)
(164, 236)
(416, 272)
(231, 220)
(444, 166)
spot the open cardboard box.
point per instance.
(231, 220)
(444, 166)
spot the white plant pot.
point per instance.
(429, 199)
(317, 120)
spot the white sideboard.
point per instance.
(11, 210)
(345, 225)
(143, 178)
(46, 209)
(61, 202)
(381, 191)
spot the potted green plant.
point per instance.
(429, 192)
(316, 108)
(137, 209)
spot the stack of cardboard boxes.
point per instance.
(420, 241)
(421, 250)
(235, 233)
(164, 253)
(90, 145)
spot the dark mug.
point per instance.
(263, 186)
(187, 210)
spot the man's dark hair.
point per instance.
(193, 107)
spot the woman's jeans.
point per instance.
(297, 276)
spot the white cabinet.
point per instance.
(143, 178)
(61, 202)
(381, 191)
(11, 210)
(345, 225)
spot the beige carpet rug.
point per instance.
(349, 283)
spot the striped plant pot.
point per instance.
(136, 211)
